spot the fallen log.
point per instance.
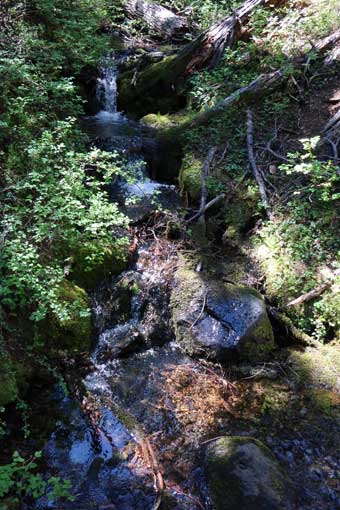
(208, 48)
(160, 81)
(289, 329)
(316, 292)
(158, 18)
(262, 84)
(258, 87)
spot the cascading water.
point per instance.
(106, 90)
(104, 457)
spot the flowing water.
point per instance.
(102, 445)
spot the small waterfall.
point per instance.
(106, 91)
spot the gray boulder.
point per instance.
(242, 474)
(220, 320)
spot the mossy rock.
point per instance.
(242, 473)
(88, 275)
(190, 177)
(152, 90)
(8, 384)
(219, 319)
(75, 331)
(239, 213)
(156, 121)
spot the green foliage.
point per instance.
(54, 199)
(301, 246)
(20, 478)
(60, 206)
(203, 12)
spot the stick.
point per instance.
(251, 156)
(204, 190)
(209, 204)
(317, 291)
(205, 173)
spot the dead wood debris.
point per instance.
(251, 155)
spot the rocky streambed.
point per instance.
(188, 401)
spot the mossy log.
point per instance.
(157, 18)
(262, 84)
(157, 88)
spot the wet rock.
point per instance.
(221, 320)
(118, 342)
(243, 474)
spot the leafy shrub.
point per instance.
(21, 479)
(59, 208)
(301, 246)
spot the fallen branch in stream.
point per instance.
(316, 292)
(139, 437)
(252, 161)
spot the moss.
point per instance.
(74, 332)
(325, 402)
(239, 212)
(88, 276)
(190, 176)
(151, 90)
(157, 121)
(8, 384)
(317, 367)
(243, 473)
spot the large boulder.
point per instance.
(219, 319)
(243, 474)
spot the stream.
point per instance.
(104, 446)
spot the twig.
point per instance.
(274, 153)
(205, 173)
(252, 161)
(204, 189)
(202, 310)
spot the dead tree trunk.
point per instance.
(160, 81)
(208, 48)
(252, 161)
(157, 18)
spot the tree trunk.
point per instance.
(208, 48)
(156, 86)
(157, 18)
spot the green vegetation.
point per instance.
(60, 232)
(62, 235)
(20, 477)
(55, 205)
